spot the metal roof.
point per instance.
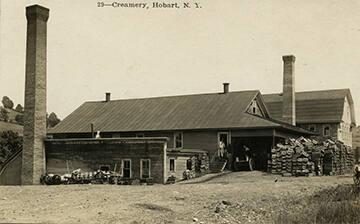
(313, 106)
(187, 112)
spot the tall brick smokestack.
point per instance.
(33, 155)
(288, 108)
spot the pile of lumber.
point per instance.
(306, 157)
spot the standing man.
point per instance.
(221, 149)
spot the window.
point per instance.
(145, 168)
(126, 168)
(105, 168)
(172, 165)
(312, 128)
(326, 131)
(140, 135)
(255, 109)
(178, 140)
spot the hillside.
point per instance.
(6, 126)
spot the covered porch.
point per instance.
(255, 144)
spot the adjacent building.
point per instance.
(328, 113)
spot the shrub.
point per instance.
(4, 114)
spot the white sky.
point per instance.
(140, 53)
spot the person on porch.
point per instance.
(221, 149)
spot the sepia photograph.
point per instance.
(179, 111)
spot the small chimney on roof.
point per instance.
(288, 107)
(107, 97)
(226, 87)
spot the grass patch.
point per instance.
(336, 205)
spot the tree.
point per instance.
(52, 120)
(4, 114)
(7, 102)
(10, 142)
(19, 119)
(19, 108)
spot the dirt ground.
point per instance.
(241, 197)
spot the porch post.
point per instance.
(273, 138)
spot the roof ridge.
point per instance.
(310, 91)
(173, 96)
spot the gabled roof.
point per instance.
(188, 112)
(314, 106)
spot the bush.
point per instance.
(10, 140)
(52, 120)
(4, 114)
(19, 108)
(19, 119)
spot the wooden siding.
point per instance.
(180, 166)
(62, 157)
(201, 140)
(319, 128)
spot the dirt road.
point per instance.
(243, 197)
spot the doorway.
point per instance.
(224, 136)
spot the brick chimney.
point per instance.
(226, 87)
(33, 155)
(288, 107)
(107, 97)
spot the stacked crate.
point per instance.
(304, 157)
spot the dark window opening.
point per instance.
(172, 164)
(327, 131)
